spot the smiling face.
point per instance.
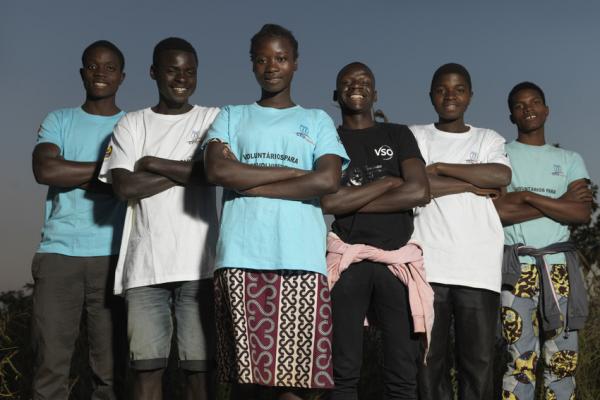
(450, 95)
(175, 75)
(102, 73)
(355, 89)
(528, 110)
(274, 64)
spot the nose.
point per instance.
(271, 66)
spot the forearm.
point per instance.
(513, 210)
(404, 197)
(561, 210)
(350, 199)
(62, 173)
(309, 186)
(182, 172)
(232, 174)
(492, 175)
(443, 185)
(140, 184)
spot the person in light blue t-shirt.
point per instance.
(74, 263)
(275, 160)
(548, 193)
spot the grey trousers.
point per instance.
(64, 287)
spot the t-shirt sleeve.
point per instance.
(496, 152)
(219, 129)
(120, 152)
(576, 169)
(51, 131)
(406, 144)
(328, 140)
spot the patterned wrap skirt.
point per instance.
(273, 328)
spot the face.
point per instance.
(450, 96)
(101, 73)
(528, 112)
(175, 76)
(355, 89)
(274, 64)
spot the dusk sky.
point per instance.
(553, 43)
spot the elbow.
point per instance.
(421, 195)
(329, 184)
(505, 177)
(121, 191)
(215, 174)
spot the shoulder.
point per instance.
(487, 134)
(421, 131)
(63, 113)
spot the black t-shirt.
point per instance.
(374, 153)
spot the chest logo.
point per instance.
(195, 137)
(473, 158)
(557, 170)
(385, 152)
(304, 134)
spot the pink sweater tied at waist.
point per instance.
(406, 264)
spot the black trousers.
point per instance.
(361, 287)
(476, 313)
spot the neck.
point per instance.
(534, 138)
(281, 99)
(360, 120)
(105, 107)
(452, 126)
(169, 108)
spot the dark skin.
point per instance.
(529, 113)
(355, 93)
(101, 75)
(450, 96)
(273, 64)
(176, 76)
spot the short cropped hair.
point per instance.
(451, 68)
(107, 45)
(522, 86)
(273, 31)
(172, 43)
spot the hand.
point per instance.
(578, 191)
(491, 193)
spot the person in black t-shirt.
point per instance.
(385, 180)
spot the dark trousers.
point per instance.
(361, 287)
(65, 287)
(475, 313)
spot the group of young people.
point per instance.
(417, 246)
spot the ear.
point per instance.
(375, 96)
(81, 73)
(152, 72)
(296, 64)
(335, 95)
(122, 77)
(511, 118)
(547, 111)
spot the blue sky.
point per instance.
(553, 43)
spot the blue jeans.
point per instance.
(150, 312)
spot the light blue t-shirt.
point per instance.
(79, 222)
(546, 170)
(272, 234)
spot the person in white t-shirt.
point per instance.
(171, 227)
(462, 238)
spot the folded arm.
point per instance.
(223, 169)
(139, 184)
(325, 179)
(573, 207)
(49, 168)
(182, 172)
(349, 199)
(412, 193)
(487, 176)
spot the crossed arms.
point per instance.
(573, 207)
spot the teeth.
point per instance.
(180, 90)
(100, 84)
(357, 97)
(530, 117)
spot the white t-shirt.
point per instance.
(461, 234)
(172, 235)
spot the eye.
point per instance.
(111, 68)
(518, 106)
(281, 59)
(260, 60)
(91, 67)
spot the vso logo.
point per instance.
(385, 152)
